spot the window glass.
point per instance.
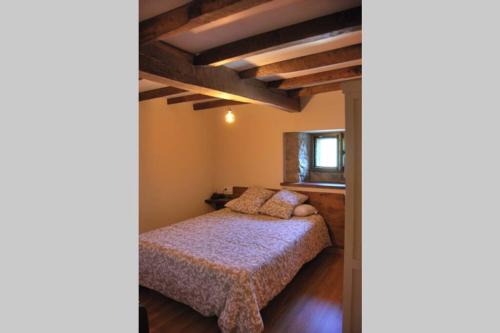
(326, 152)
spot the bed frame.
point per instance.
(330, 205)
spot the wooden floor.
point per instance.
(312, 302)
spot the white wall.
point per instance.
(250, 151)
(176, 163)
(186, 155)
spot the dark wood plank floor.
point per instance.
(312, 302)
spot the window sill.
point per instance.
(319, 185)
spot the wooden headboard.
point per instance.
(330, 205)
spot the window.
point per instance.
(328, 152)
(314, 158)
(326, 155)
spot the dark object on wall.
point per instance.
(218, 200)
(217, 196)
(143, 320)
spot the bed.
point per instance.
(229, 264)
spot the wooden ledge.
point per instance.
(318, 185)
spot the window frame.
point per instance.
(339, 170)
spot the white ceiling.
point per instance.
(309, 71)
(297, 51)
(265, 17)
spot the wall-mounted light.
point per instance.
(229, 117)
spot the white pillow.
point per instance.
(304, 210)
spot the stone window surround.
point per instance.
(297, 163)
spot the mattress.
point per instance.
(229, 264)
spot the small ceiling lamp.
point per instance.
(229, 117)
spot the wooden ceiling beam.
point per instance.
(306, 32)
(215, 104)
(161, 92)
(190, 16)
(160, 48)
(309, 91)
(331, 57)
(188, 98)
(317, 78)
(160, 65)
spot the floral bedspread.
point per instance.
(229, 264)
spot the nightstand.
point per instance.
(219, 202)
